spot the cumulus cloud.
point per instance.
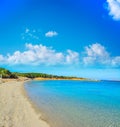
(97, 54)
(114, 9)
(72, 57)
(94, 54)
(116, 60)
(51, 34)
(39, 54)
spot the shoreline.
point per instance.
(74, 79)
(17, 110)
(34, 106)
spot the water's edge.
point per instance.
(33, 105)
(52, 99)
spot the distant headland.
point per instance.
(6, 74)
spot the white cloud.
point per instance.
(97, 54)
(39, 54)
(94, 54)
(116, 61)
(96, 50)
(51, 34)
(88, 60)
(114, 9)
(72, 57)
(18, 57)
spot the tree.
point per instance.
(7, 74)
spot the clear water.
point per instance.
(77, 103)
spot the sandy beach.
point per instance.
(15, 108)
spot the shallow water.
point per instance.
(77, 103)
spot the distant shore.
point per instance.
(15, 107)
(75, 79)
(41, 78)
(5, 75)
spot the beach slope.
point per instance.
(15, 108)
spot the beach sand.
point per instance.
(16, 109)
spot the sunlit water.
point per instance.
(77, 103)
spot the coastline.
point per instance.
(74, 79)
(34, 106)
(16, 108)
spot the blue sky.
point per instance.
(64, 37)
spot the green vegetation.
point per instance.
(7, 74)
(42, 75)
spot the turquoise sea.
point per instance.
(77, 103)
